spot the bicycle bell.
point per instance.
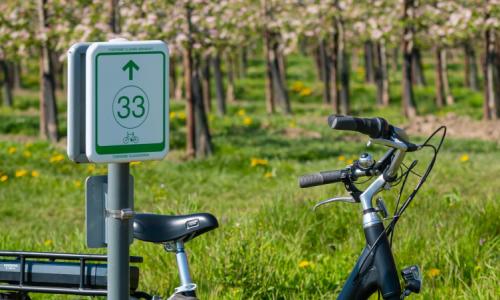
(365, 161)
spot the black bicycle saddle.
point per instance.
(160, 228)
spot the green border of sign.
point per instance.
(124, 149)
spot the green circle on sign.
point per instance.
(130, 107)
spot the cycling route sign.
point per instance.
(126, 101)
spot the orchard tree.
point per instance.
(14, 28)
(488, 19)
(378, 23)
(273, 21)
(408, 40)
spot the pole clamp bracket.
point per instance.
(120, 214)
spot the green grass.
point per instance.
(267, 227)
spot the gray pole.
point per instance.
(118, 230)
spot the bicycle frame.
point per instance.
(375, 270)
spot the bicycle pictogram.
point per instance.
(131, 138)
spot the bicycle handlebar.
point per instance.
(373, 127)
(322, 178)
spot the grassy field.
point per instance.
(270, 245)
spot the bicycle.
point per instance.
(86, 274)
(375, 270)
(130, 138)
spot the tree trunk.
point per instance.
(58, 71)
(219, 86)
(439, 78)
(282, 65)
(334, 67)
(471, 74)
(172, 77)
(395, 59)
(446, 84)
(243, 62)
(114, 16)
(385, 74)
(179, 88)
(6, 85)
(230, 78)
(379, 80)
(205, 84)
(491, 101)
(269, 75)
(317, 63)
(48, 108)
(279, 80)
(325, 72)
(188, 71)
(16, 76)
(409, 107)
(203, 139)
(343, 63)
(417, 70)
(369, 70)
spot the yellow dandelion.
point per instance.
(350, 161)
(181, 115)
(247, 121)
(135, 163)
(77, 183)
(306, 92)
(297, 86)
(305, 264)
(433, 272)
(464, 158)
(292, 124)
(341, 158)
(241, 112)
(27, 154)
(268, 175)
(172, 114)
(35, 173)
(56, 158)
(21, 173)
(12, 150)
(91, 168)
(258, 162)
(4, 178)
(48, 243)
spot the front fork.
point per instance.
(374, 270)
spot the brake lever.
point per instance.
(348, 199)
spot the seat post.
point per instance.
(182, 263)
(187, 285)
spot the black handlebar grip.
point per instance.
(321, 178)
(374, 127)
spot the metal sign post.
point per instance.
(119, 215)
(124, 118)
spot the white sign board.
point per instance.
(127, 101)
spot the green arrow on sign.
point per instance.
(131, 65)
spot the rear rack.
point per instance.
(24, 259)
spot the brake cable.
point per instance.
(390, 228)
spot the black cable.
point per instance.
(407, 174)
(369, 178)
(396, 217)
(413, 172)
